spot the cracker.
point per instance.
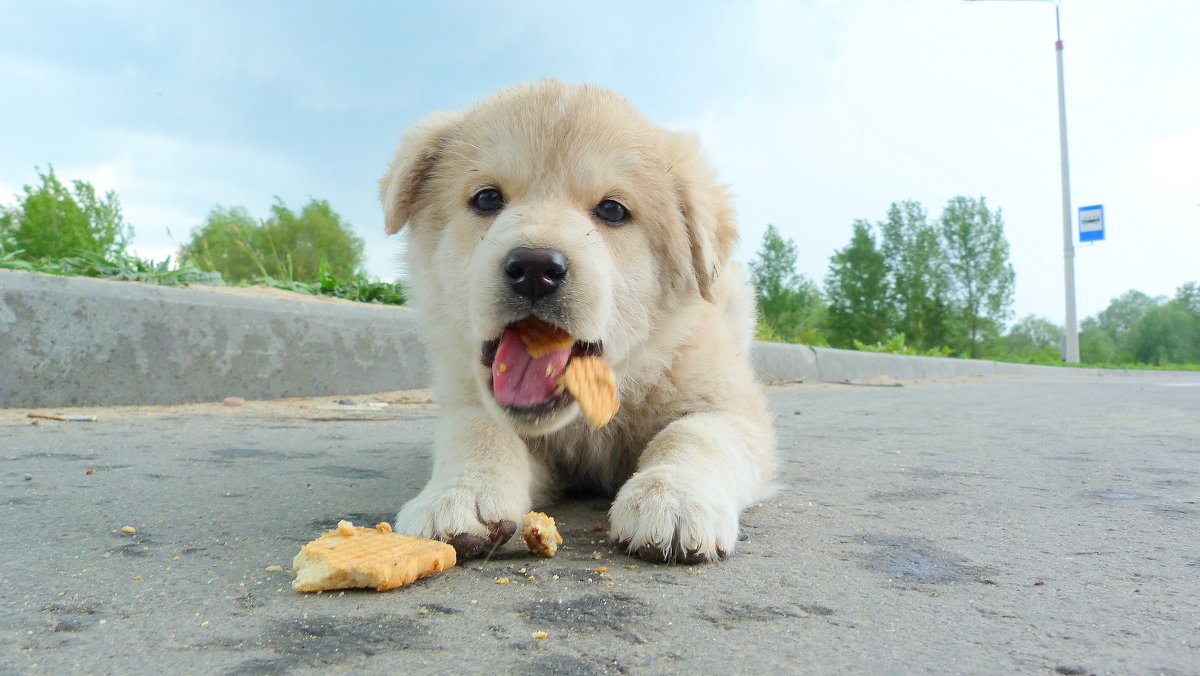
(541, 338)
(594, 386)
(541, 534)
(349, 557)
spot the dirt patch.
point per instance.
(364, 407)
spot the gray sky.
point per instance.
(816, 113)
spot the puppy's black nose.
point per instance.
(534, 273)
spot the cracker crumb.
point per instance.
(540, 635)
(540, 534)
(503, 580)
(274, 569)
(128, 529)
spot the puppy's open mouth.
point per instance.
(526, 384)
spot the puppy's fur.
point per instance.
(691, 445)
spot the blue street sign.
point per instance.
(1091, 223)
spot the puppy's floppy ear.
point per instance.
(711, 228)
(416, 158)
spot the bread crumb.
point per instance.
(540, 635)
(503, 580)
(128, 529)
(345, 528)
(274, 569)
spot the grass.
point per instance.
(122, 267)
(358, 288)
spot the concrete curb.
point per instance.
(68, 341)
(75, 341)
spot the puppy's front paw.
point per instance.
(668, 516)
(474, 515)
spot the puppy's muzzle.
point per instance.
(535, 273)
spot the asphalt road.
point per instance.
(1033, 525)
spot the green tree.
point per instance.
(288, 246)
(1034, 339)
(226, 243)
(1096, 346)
(1167, 334)
(1121, 315)
(790, 306)
(981, 279)
(1188, 297)
(857, 289)
(917, 275)
(51, 222)
(300, 241)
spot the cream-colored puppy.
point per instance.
(563, 203)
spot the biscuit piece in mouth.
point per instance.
(594, 386)
(351, 556)
(541, 534)
(541, 338)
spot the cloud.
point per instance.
(7, 193)
(167, 184)
(1169, 176)
(1186, 93)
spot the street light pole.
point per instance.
(1071, 355)
(1070, 329)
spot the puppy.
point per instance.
(561, 202)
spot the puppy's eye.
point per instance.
(487, 200)
(612, 212)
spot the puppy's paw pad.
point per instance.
(469, 546)
(669, 518)
(475, 519)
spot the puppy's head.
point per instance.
(561, 203)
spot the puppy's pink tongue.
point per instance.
(521, 380)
